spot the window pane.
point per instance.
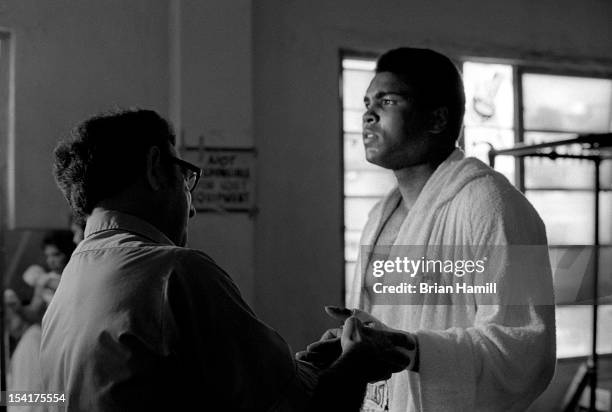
(581, 175)
(359, 64)
(562, 173)
(368, 182)
(351, 244)
(543, 137)
(605, 174)
(355, 84)
(349, 275)
(573, 274)
(354, 153)
(364, 183)
(566, 103)
(559, 173)
(605, 218)
(568, 216)
(489, 95)
(356, 212)
(476, 139)
(574, 330)
(604, 331)
(352, 120)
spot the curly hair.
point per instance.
(105, 154)
(436, 81)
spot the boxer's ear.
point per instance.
(438, 120)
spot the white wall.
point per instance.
(190, 60)
(211, 96)
(74, 59)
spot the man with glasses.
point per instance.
(139, 322)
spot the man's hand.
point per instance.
(364, 344)
(325, 351)
(328, 348)
(374, 354)
(342, 314)
(363, 350)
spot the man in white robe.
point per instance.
(473, 352)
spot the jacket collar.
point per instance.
(101, 220)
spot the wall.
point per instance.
(211, 96)
(76, 58)
(73, 59)
(298, 234)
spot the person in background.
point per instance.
(57, 247)
(25, 373)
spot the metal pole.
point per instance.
(594, 357)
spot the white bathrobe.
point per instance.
(473, 357)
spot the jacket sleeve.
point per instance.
(235, 359)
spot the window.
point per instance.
(507, 104)
(364, 183)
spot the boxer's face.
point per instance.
(394, 127)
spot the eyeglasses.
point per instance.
(191, 172)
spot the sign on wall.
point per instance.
(228, 179)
